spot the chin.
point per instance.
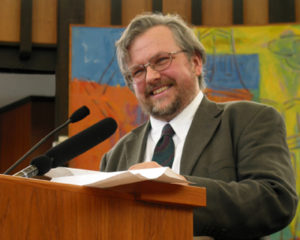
(165, 110)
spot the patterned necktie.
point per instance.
(165, 149)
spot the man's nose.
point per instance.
(151, 74)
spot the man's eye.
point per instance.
(161, 60)
(137, 72)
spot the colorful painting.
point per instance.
(259, 63)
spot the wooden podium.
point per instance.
(38, 209)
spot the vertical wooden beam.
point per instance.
(281, 11)
(238, 12)
(116, 12)
(156, 5)
(26, 29)
(10, 20)
(297, 10)
(69, 12)
(217, 12)
(196, 12)
(44, 21)
(131, 8)
(97, 13)
(181, 7)
(254, 15)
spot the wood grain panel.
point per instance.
(217, 12)
(44, 21)
(297, 10)
(254, 15)
(23, 125)
(60, 211)
(131, 8)
(10, 20)
(181, 7)
(15, 137)
(97, 13)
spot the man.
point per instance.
(236, 150)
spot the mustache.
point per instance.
(150, 87)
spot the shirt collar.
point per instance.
(181, 123)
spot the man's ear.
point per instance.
(197, 64)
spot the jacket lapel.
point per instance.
(135, 147)
(205, 122)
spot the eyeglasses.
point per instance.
(158, 63)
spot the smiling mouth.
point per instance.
(160, 90)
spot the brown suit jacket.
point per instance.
(237, 151)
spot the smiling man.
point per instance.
(236, 150)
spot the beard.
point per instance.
(166, 111)
(162, 112)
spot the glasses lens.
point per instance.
(138, 72)
(161, 62)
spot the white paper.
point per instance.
(98, 179)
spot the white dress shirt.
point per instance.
(180, 124)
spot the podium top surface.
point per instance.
(147, 191)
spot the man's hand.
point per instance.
(144, 165)
(150, 165)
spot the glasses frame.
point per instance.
(152, 65)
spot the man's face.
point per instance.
(164, 94)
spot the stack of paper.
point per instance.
(110, 179)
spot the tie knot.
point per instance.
(168, 131)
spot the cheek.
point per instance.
(139, 89)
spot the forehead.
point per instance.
(154, 40)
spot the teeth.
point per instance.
(157, 91)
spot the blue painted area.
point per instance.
(228, 71)
(93, 55)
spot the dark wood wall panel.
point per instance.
(22, 125)
(116, 12)
(15, 135)
(99, 13)
(26, 29)
(69, 12)
(238, 11)
(157, 5)
(281, 11)
(196, 12)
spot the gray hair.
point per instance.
(183, 35)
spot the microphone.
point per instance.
(78, 115)
(70, 148)
(38, 166)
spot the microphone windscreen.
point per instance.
(82, 142)
(42, 163)
(79, 114)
